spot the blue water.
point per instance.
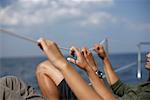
(24, 68)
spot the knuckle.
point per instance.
(53, 43)
(82, 49)
(72, 47)
(46, 49)
(90, 53)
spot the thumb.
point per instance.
(71, 60)
(42, 44)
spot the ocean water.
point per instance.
(24, 68)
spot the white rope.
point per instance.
(34, 41)
(18, 35)
(23, 37)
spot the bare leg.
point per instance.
(48, 79)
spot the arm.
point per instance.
(78, 85)
(90, 67)
(99, 85)
(124, 91)
(120, 89)
(111, 76)
(74, 80)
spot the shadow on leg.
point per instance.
(48, 79)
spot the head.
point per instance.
(147, 65)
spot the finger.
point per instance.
(52, 44)
(49, 42)
(72, 52)
(75, 50)
(84, 52)
(42, 44)
(89, 58)
(88, 52)
(71, 60)
(95, 47)
(101, 47)
(39, 44)
(98, 47)
(77, 62)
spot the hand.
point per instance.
(53, 53)
(99, 49)
(148, 61)
(80, 61)
(89, 58)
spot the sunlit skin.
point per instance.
(49, 73)
(88, 64)
(87, 57)
(55, 57)
(111, 76)
(48, 77)
(147, 65)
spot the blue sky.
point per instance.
(74, 22)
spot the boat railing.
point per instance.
(138, 62)
(139, 67)
(123, 68)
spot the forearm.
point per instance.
(110, 73)
(78, 85)
(99, 85)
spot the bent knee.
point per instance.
(42, 67)
(47, 69)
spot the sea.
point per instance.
(24, 68)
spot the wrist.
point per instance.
(100, 74)
(90, 72)
(88, 69)
(62, 65)
(106, 60)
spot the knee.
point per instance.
(42, 67)
(45, 68)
